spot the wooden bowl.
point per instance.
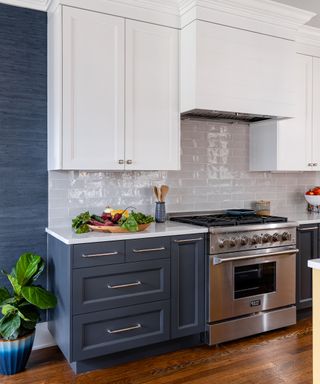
(117, 228)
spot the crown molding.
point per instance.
(41, 5)
(309, 35)
(267, 11)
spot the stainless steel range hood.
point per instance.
(220, 115)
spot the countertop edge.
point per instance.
(99, 237)
(314, 264)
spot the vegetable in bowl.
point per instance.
(121, 218)
(134, 219)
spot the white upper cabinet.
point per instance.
(152, 103)
(93, 90)
(113, 98)
(292, 144)
(229, 69)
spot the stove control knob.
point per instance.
(276, 237)
(222, 243)
(266, 238)
(255, 239)
(286, 236)
(244, 240)
(233, 242)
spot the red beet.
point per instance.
(106, 216)
(116, 218)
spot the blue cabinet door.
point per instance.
(187, 285)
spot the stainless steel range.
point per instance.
(251, 273)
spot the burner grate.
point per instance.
(222, 220)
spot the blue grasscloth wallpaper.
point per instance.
(23, 134)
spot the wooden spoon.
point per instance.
(164, 191)
(156, 192)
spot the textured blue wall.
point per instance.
(23, 133)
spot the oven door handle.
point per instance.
(218, 260)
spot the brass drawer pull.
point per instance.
(124, 285)
(148, 250)
(114, 331)
(100, 254)
(188, 240)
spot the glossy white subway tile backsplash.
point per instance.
(214, 175)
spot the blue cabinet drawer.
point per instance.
(94, 254)
(115, 330)
(147, 249)
(105, 287)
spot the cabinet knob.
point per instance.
(315, 164)
(121, 161)
(129, 161)
(310, 164)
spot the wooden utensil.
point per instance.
(155, 190)
(164, 191)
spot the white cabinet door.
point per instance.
(316, 114)
(93, 90)
(295, 136)
(152, 97)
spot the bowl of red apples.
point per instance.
(313, 196)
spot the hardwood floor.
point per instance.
(283, 356)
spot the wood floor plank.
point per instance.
(279, 357)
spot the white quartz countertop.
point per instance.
(314, 263)
(169, 228)
(304, 217)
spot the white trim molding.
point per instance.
(43, 337)
(263, 16)
(309, 35)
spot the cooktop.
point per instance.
(225, 219)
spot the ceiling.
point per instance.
(309, 5)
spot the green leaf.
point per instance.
(26, 267)
(29, 312)
(40, 270)
(9, 326)
(4, 295)
(15, 285)
(7, 309)
(130, 224)
(39, 297)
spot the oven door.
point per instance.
(242, 283)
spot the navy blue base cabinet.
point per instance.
(308, 244)
(122, 300)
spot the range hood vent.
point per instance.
(219, 115)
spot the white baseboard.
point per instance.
(43, 337)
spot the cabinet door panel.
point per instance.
(104, 332)
(295, 135)
(93, 90)
(307, 243)
(316, 113)
(152, 110)
(187, 286)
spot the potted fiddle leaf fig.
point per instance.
(20, 308)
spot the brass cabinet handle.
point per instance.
(310, 164)
(121, 162)
(100, 254)
(188, 240)
(129, 162)
(148, 250)
(127, 329)
(124, 285)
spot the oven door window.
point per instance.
(255, 279)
